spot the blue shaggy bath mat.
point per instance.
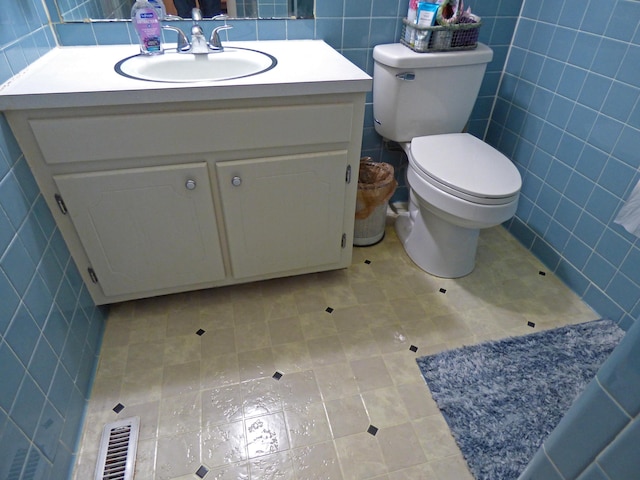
(501, 399)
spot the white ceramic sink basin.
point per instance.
(187, 67)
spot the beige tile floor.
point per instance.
(211, 400)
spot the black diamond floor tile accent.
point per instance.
(372, 430)
(443, 290)
(329, 310)
(277, 375)
(118, 408)
(413, 348)
(202, 471)
(200, 332)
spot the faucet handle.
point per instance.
(183, 43)
(214, 41)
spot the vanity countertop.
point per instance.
(85, 77)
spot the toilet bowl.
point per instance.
(458, 185)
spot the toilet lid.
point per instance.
(466, 167)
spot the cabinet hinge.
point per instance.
(61, 205)
(92, 275)
(348, 175)
(343, 243)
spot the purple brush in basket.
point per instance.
(465, 37)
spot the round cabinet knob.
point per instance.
(236, 181)
(190, 185)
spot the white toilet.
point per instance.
(458, 184)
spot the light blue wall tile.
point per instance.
(301, 29)
(43, 364)
(28, 406)
(613, 247)
(540, 468)
(578, 189)
(14, 447)
(571, 81)
(572, 277)
(594, 472)
(587, 438)
(562, 43)
(584, 50)
(628, 69)
(620, 459)
(577, 252)
(595, 20)
(56, 330)
(605, 132)
(601, 303)
(594, 90)
(361, 8)
(602, 204)
(12, 372)
(581, 121)
(630, 265)
(591, 162)
(620, 101)
(570, 150)
(22, 335)
(623, 291)
(620, 374)
(113, 33)
(599, 271)
(588, 229)
(330, 9)
(616, 177)
(49, 431)
(546, 253)
(627, 147)
(9, 304)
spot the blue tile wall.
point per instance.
(575, 76)
(43, 360)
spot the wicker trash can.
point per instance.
(376, 185)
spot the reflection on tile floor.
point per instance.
(290, 378)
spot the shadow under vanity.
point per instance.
(160, 187)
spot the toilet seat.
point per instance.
(466, 167)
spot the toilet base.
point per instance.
(436, 246)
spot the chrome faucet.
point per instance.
(199, 44)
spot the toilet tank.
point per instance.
(418, 94)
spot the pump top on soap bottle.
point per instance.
(146, 19)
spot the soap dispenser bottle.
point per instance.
(146, 22)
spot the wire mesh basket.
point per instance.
(440, 38)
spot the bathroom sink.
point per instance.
(187, 67)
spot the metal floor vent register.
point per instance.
(117, 455)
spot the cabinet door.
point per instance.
(283, 213)
(146, 229)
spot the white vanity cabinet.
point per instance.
(248, 190)
(145, 229)
(159, 188)
(284, 213)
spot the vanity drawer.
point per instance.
(90, 138)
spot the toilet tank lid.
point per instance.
(397, 55)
